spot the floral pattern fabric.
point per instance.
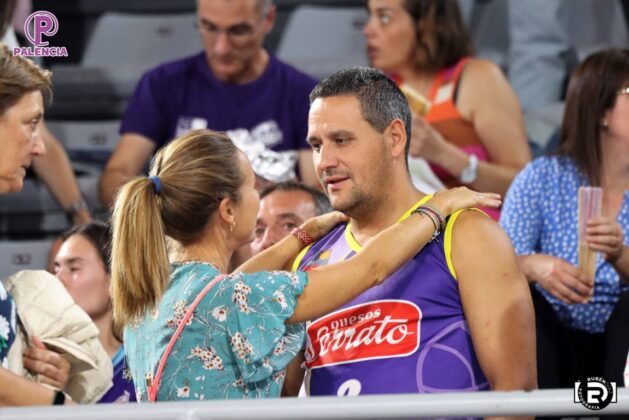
(235, 345)
(7, 324)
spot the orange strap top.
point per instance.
(444, 115)
(448, 121)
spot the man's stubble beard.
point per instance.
(362, 202)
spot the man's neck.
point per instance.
(252, 72)
(384, 213)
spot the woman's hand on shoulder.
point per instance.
(449, 201)
(320, 225)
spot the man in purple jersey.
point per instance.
(234, 85)
(458, 316)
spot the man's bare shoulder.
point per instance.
(472, 223)
(477, 238)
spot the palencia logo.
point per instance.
(38, 25)
(595, 392)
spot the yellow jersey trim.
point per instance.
(447, 240)
(299, 257)
(355, 246)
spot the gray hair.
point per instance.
(381, 101)
(263, 5)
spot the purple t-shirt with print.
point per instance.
(266, 118)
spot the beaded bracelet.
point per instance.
(437, 214)
(423, 212)
(302, 235)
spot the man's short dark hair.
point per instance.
(381, 101)
(321, 201)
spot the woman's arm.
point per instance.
(558, 277)
(282, 253)
(487, 100)
(332, 286)
(17, 391)
(498, 120)
(54, 170)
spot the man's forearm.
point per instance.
(110, 183)
(55, 171)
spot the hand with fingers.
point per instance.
(561, 279)
(52, 368)
(458, 198)
(606, 235)
(318, 226)
(426, 142)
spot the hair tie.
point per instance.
(157, 183)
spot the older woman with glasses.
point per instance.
(581, 319)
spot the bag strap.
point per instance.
(153, 386)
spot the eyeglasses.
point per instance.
(236, 34)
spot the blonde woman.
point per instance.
(248, 327)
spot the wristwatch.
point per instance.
(75, 208)
(470, 172)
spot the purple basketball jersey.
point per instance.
(406, 335)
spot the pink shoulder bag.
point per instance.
(152, 386)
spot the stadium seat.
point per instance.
(322, 40)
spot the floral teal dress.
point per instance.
(236, 345)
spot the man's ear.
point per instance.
(269, 19)
(226, 212)
(397, 133)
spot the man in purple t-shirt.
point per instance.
(458, 316)
(234, 85)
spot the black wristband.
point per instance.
(59, 399)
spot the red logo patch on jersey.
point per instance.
(374, 330)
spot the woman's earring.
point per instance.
(231, 227)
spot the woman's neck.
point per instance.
(211, 248)
(106, 335)
(419, 79)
